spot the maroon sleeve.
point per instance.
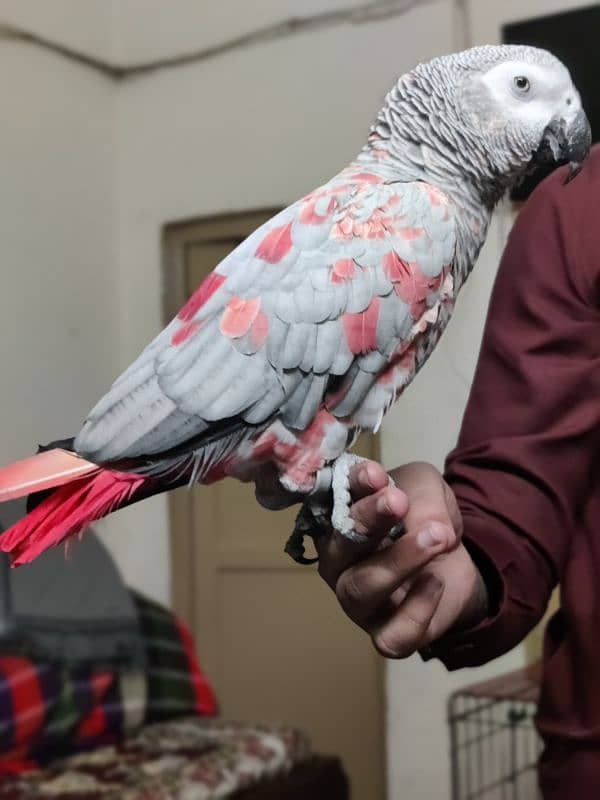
(524, 461)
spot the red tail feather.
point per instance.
(67, 511)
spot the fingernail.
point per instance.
(381, 506)
(432, 536)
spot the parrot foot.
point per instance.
(323, 512)
(341, 520)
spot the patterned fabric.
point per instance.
(187, 759)
(176, 684)
(48, 709)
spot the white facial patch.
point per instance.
(549, 93)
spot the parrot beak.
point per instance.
(566, 142)
(579, 137)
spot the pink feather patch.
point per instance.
(260, 329)
(206, 289)
(410, 233)
(276, 244)
(184, 333)
(368, 177)
(436, 196)
(361, 329)
(239, 316)
(410, 283)
(343, 270)
(396, 268)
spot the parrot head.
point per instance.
(528, 103)
(477, 121)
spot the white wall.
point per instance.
(148, 29)
(57, 229)
(86, 25)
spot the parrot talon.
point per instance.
(311, 521)
(295, 549)
(396, 531)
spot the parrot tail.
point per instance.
(82, 492)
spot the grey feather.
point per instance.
(329, 339)
(310, 349)
(356, 385)
(303, 405)
(294, 346)
(342, 360)
(267, 406)
(373, 362)
(275, 343)
(173, 431)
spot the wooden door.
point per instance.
(269, 632)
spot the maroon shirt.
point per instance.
(526, 470)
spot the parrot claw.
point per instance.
(295, 549)
(311, 521)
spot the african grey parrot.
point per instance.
(309, 330)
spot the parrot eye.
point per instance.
(522, 84)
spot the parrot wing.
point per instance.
(310, 307)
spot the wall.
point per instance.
(57, 228)
(185, 25)
(85, 25)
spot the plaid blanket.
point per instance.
(48, 710)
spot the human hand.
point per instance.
(406, 593)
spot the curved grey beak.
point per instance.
(566, 143)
